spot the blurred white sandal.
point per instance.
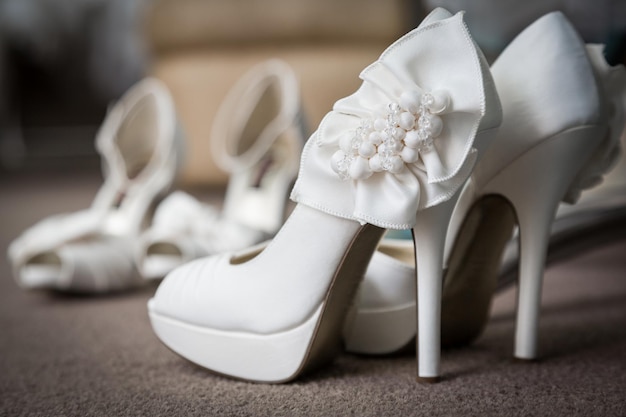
(257, 138)
(90, 250)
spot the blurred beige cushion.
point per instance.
(203, 46)
(174, 24)
(199, 81)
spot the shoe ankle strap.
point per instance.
(243, 103)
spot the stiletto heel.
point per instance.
(397, 149)
(429, 240)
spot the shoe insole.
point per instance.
(472, 274)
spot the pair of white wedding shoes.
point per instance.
(121, 240)
(434, 141)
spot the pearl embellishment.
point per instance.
(389, 141)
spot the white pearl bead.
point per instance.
(411, 139)
(441, 101)
(397, 165)
(375, 164)
(410, 100)
(367, 149)
(407, 121)
(409, 155)
(375, 138)
(380, 124)
(360, 169)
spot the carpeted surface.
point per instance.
(97, 356)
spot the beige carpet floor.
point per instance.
(97, 356)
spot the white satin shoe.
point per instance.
(91, 250)
(257, 137)
(550, 159)
(392, 155)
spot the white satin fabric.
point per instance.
(541, 95)
(437, 56)
(612, 80)
(278, 286)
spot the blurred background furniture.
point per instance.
(201, 47)
(63, 61)
(58, 74)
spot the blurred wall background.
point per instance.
(63, 61)
(494, 23)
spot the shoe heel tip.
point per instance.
(525, 360)
(428, 379)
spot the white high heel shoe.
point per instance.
(383, 321)
(257, 137)
(90, 250)
(392, 155)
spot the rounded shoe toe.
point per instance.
(181, 294)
